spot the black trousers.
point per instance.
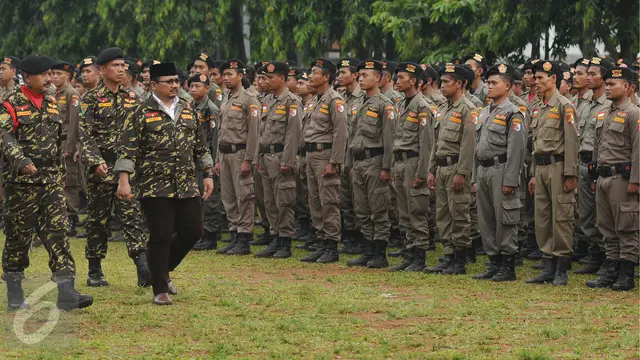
(175, 225)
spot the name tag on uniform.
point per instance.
(618, 119)
(553, 116)
(499, 122)
(53, 111)
(236, 106)
(324, 108)
(412, 119)
(281, 110)
(187, 116)
(24, 113)
(105, 104)
(62, 102)
(456, 120)
(372, 114)
(155, 118)
(601, 115)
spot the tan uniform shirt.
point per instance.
(414, 130)
(328, 124)
(588, 113)
(438, 98)
(374, 127)
(580, 100)
(392, 95)
(69, 104)
(350, 100)
(282, 126)
(481, 92)
(306, 114)
(479, 104)
(240, 121)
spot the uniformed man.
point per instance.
(79, 86)
(238, 141)
(31, 129)
(292, 79)
(348, 80)
(566, 83)
(474, 99)
(90, 72)
(279, 141)
(450, 169)
(68, 102)
(499, 159)
(386, 83)
(209, 119)
(102, 115)
(555, 169)
(326, 141)
(9, 67)
(204, 64)
(411, 150)
(617, 200)
(429, 78)
(588, 114)
(163, 143)
(529, 81)
(517, 84)
(478, 64)
(216, 75)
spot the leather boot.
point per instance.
(539, 266)
(231, 245)
(96, 277)
(379, 260)
(273, 248)
(15, 295)
(408, 255)
(69, 298)
(562, 265)
(443, 263)
(347, 241)
(357, 246)
(592, 266)
(536, 254)
(471, 257)
(242, 246)
(395, 239)
(366, 256)
(330, 254)
(518, 259)
(507, 271)
(303, 232)
(495, 261)
(316, 254)
(310, 239)
(609, 276)
(263, 239)
(603, 268)
(477, 245)
(626, 279)
(459, 264)
(206, 242)
(285, 249)
(142, 269)
(580, 250)
(394, 254)
(547, 275)
(419, 260)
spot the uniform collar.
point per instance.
(282, 95)
(622, 106)
(602, 99)
(553, 100)
(461, 99)
(587, 95)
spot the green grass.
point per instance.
(243, 307)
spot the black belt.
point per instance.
(302, 151)
(109, 156)
(617, 169)
(403, 155)
(312, 147)
(231, 148)
(40, 163)
(447, 160)
(500, 159)
(272, 149)
(367, 154)
(586, 156)
(545, 160)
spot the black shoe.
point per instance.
(316, 254)
(395, 239)
(459, 264)
(603, 268)
(626, 280)
(15, 295)
(580, 250)
(539, 266)
(347, 241)
(330, 254)
(208, 241)
(310, 240)
(592, 266)
(471, 257)
(232, 243)
(96, 277)
(242, 245)
(117, 237)
(609, 276)
(534, 255)
(357, 246)
(518, 259)
(263, 239)
(69, 298)
(507, 271)
(585, 260)
(285, 249)
(419, 261)
(366, 256)
(273, 248)
(408, 256)
(142, 269)
(495, 261)
(547, 275)
(562, 265)
(443, 263)
(302, 234)
(379, 260)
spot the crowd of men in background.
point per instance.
(505, 160)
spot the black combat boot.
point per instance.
(69, 298)
(592, 266)
(477, 245)
(608, 277)
(273, 248)
(547, 275)
(317, 253)
(208, 241)
(471, 257)
(303, 232)
(242, 246)
(443, 263)
(142, 268)
(330, 254)
(626, 279)
(536, 254)
(395, 239)
(603, 268)
(562, 265)
(15, 295)
(231, 245)
(263, 239)
(408, 256)
(495, 261)
(285, 249)
(507, 270)
(379, 260)
(96, 277)
(419, 260)
(459, 264)
(367, 255)
(358, 243)
(348, 242)
(400, 252)
(580, 250)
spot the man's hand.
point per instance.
(29, 169)
(532, 186)
(570, 184)
(124, 190)
(76, 156)
(216, 170)
(431, 181)
(593, 186)
(385, 176)
(330, 170)
(632, 189)
(68, 154)
(418, 182)
(245, 169)
(102, 170)
(458, 183)
(285, 169)
(208, 188)
(508, 190)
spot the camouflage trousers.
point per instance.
(38, 208)
(101, 197)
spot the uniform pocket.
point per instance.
(497, 135)
(461, 205)
(550, 130)
(616, 134)
(380, 199)
(286, 193)
(331, 190)
(245, 188)
(419, 200)
(235, 120)
(451, 132)
(565, 209)
(369, 127)
(628, 216)
(511, 211)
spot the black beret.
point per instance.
(389, 66)
(550, 67)
(567, 72)
(110, 54)
(206, 58)
(163, 69)
(477, 58)
(294, 71)
(233, 64)
(501, 69)
(411, 68)
(428, 72)
(529, 64)
(517, 75)
(89, 61)
(619, 73)
(199, 78)
(636, 64)
(148, 64)
(261, 70)
(277, 68)
(217, 64)
(624, 63)
(291, 63)
(36, 64)
(371, 65)
(603, 64)
(62, 65)
(303, 75)
(324, 64)
(471, 75)
(582, 62)
(459, 71)
(351, 63)
(132, 67)
(11, 61)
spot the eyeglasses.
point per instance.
(170, 82)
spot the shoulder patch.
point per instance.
(340, 105)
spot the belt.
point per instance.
(231, 148)
(272, 149)
(39, 163)
(500, 159)
(545, 160)
(302, 152)
(447, 160)
(403, 155)
(613, 170)
(367, 154)
(108, 155)
(312, 147)
(586, 156)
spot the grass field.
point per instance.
(243, 307)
